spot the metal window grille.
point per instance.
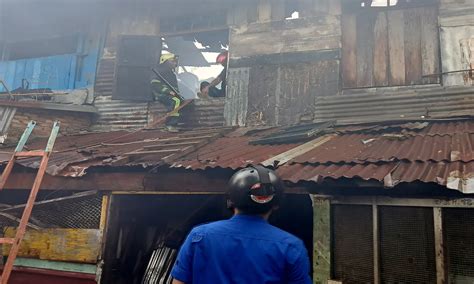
(353, 243)
(160, 265)
(459, 243)
(407, 253)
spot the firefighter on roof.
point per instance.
(165, 88)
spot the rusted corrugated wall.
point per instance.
(277, 69)
(456, 22)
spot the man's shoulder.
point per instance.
(206, 227)
(283, 236)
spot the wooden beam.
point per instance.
(284, 157)
(177, 181)
(439, 246)
(142, 153)
(321, 239)
(415, 202)
(49, 106)
(161, 146)
(91, 181)
(375, 232)
(166, 180)
(56, 265)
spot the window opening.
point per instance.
(41, 47)
(197, 59)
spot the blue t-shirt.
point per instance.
(244, 249)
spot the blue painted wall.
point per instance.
(57, 72)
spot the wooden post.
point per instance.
(321, 239)
(439, 246)
(264, 11)
(375, 232)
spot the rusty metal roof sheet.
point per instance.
(231, 152)
(74, 154)
(456, 175)
(360, 148)
(441, 153)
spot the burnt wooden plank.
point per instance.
(365, 48)
(349, 51)
(429, 45)
(381, 50)
(299, 35)
(262, 92)
(413, 61)
(396, 47)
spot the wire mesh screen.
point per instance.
(352, 243)
(80, 211)
(407, 253)
(459, 243)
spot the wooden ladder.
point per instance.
(20, 232)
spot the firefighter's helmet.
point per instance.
(167, 56)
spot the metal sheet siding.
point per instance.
(118, 114)
(204, 114)
(54, 72)
(452, 54)
(456, 25)
(382, 105)
(57, 72)
(236, 102)
(105, 77)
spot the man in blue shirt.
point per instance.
(245, 248)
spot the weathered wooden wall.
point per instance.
(285, 94)
(298, 35)
(75, 245)
(390, 47)
(277, 69)
(456, 22)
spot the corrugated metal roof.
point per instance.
(231, 152)
(361, 148)
(451, 175)
(441, 153)
(74, 154)
(415, 104)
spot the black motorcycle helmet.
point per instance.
(254, 190)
